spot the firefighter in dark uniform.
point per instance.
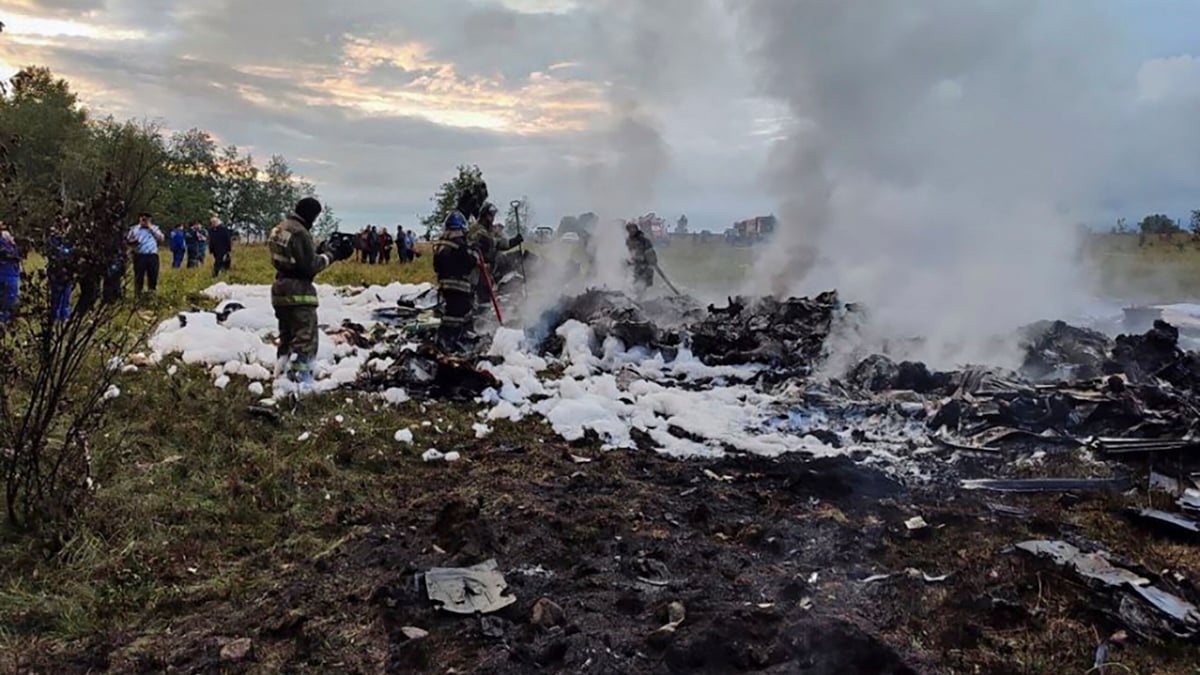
(485, 236)
(297, 262)
(642, 258)
(457, 266)
(482, 238)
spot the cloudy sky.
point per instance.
(618, 106)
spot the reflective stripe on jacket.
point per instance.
(297, 263)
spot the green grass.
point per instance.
(252, 265)
(1157, 269)
(195, 493)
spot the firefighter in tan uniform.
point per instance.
(297, 262)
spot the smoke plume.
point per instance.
(935, 152)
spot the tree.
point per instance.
(237, 192)
(192, 174)
(279, 195)
(1195, 223)
(52, 126)
(1159, 224)
(327, 224)
(133, 154)
(468, 181)
(519, 219)
(1122, 226)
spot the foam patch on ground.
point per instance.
(625, 397)
(244, 344)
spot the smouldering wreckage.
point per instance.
(679, 378)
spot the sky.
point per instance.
(628, 106)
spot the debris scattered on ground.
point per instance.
(468, 590)
(1169, 523)
(1129, 595)
(1056, 352)
(1049, 484)
(547, 614)
(435, 455)
(264, 412)
(788, 334)
(734, 383)
(676, 615)
(237, 650)
(414, 633)
(427, 373)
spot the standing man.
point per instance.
(191, 237)
(58, 272)
(293, 295)
(385, 247)
(411, 241)
(10, 274)
(201, 243)
(642, 258)
(456, 265)
(372, 245)
(145, 238)
(178, 246)
(221, 241)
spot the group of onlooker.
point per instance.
(374, 245)
(102, 279)
(194, 242)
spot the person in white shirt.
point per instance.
(145, 238)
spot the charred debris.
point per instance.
(1128, 406)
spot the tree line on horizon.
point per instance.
(62, 152)
(1160, 224)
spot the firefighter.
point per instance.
(297, 262)
(457, 266)
(483, 240)
(642, 258)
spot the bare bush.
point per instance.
(58, 362)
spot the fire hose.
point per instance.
(666, 280)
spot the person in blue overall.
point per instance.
(178, 247)
(59, 277)
(10, 274)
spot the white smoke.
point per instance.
(937, 149)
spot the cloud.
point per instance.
(627, 105)
(1166, 79)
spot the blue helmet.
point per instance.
(456, 221)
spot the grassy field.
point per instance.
(201, 507)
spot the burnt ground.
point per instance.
(766, 556)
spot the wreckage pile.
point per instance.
(671, 376)
(788, 334)
(1075, 384)
(1134, 395)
